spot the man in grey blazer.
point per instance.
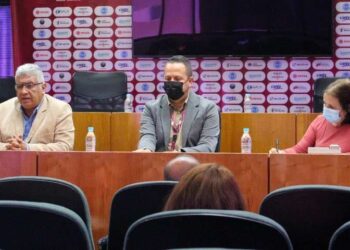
(180, 120)
(34, 120)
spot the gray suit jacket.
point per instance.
(200, 129)
(52, 129)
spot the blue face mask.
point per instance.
(331, 115)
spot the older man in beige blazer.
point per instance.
(33, 120)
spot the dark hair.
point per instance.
(207, 186)
(179, 166)
(340, 89)
(184, 61)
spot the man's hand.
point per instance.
(16, 143)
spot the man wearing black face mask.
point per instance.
(179, 120)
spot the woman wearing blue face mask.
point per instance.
(333, 126)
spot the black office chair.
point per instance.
(206, 228)
(341, 238)
(7, 88)
(99, 91)
(49, 190)
(131, 203)
(319, 87)
(309, 213)
(41, 226)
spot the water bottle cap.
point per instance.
(245, 130)
(90, 129)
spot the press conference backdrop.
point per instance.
(64, 37)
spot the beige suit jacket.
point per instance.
(52, 128)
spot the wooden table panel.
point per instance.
(14, 163)
(263, 128)
(299, 169)
(125, 131)
(120, 131)
(101, 121)
(249, 170)
(101, 174)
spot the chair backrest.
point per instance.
(207, 229)
(319, 87)
(99, 91)
(131, 203)
(41, 226)
(7, 88)
(309, 213)
(341, 238)
(49, 190)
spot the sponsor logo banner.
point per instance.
(232, 98)
(255, 64)
(300, 87)
(143, 98)
(277, 64)
(232, 87)
(210, 64)
(254, 87)
(300, 64)
(212, 97)
(277, 109)
(299, 109)
(232, 109)
(342, 41)
(147, 87)
(232, 64)
(41, 44)
(210, 87)
(277, 87)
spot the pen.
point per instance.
(277, 144)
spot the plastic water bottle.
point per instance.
(128, 104)
(246, 142)
(247, 105)
(90, 140)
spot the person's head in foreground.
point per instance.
(179, 166)
(206, 186)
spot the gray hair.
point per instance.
(178, 166)
(30, 69)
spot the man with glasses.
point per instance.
(34, 120)
(179, 121)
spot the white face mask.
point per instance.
(331, 115)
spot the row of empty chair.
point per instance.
(47, 213)
(43, 213)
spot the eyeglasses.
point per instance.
(28, 86)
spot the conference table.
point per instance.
(120, 131)
(101, 174)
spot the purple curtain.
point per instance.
(6, 52)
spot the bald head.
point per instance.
(178, 166)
